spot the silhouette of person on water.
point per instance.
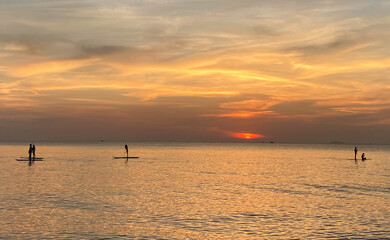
(30, 151)
(33, 150)
(127, 150)
(356, 150)
(363, 157)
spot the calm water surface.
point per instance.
(194, 191)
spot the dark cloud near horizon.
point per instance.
(159, 126)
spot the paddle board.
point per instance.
(124, 157)
(36, 158)
(27, 160)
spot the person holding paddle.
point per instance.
(33, 150)
(356, 150)
(30, 151)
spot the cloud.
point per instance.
(48, 67)
(185, 67)
(251, 104)
(102, 50)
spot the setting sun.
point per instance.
(247, 135)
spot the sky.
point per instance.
(291, 71)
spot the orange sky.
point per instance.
(289, 71)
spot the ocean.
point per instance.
(194, 191)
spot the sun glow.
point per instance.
(247, 135)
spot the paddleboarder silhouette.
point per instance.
(127, 150)
(356, 150)
(30, 150)
(33, 150)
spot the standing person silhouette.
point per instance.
(33, 150)
(356, 150)
(30, 151)
(127, 150)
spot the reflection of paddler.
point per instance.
(127, 150)
(364, 157)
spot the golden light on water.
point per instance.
(194, 191)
